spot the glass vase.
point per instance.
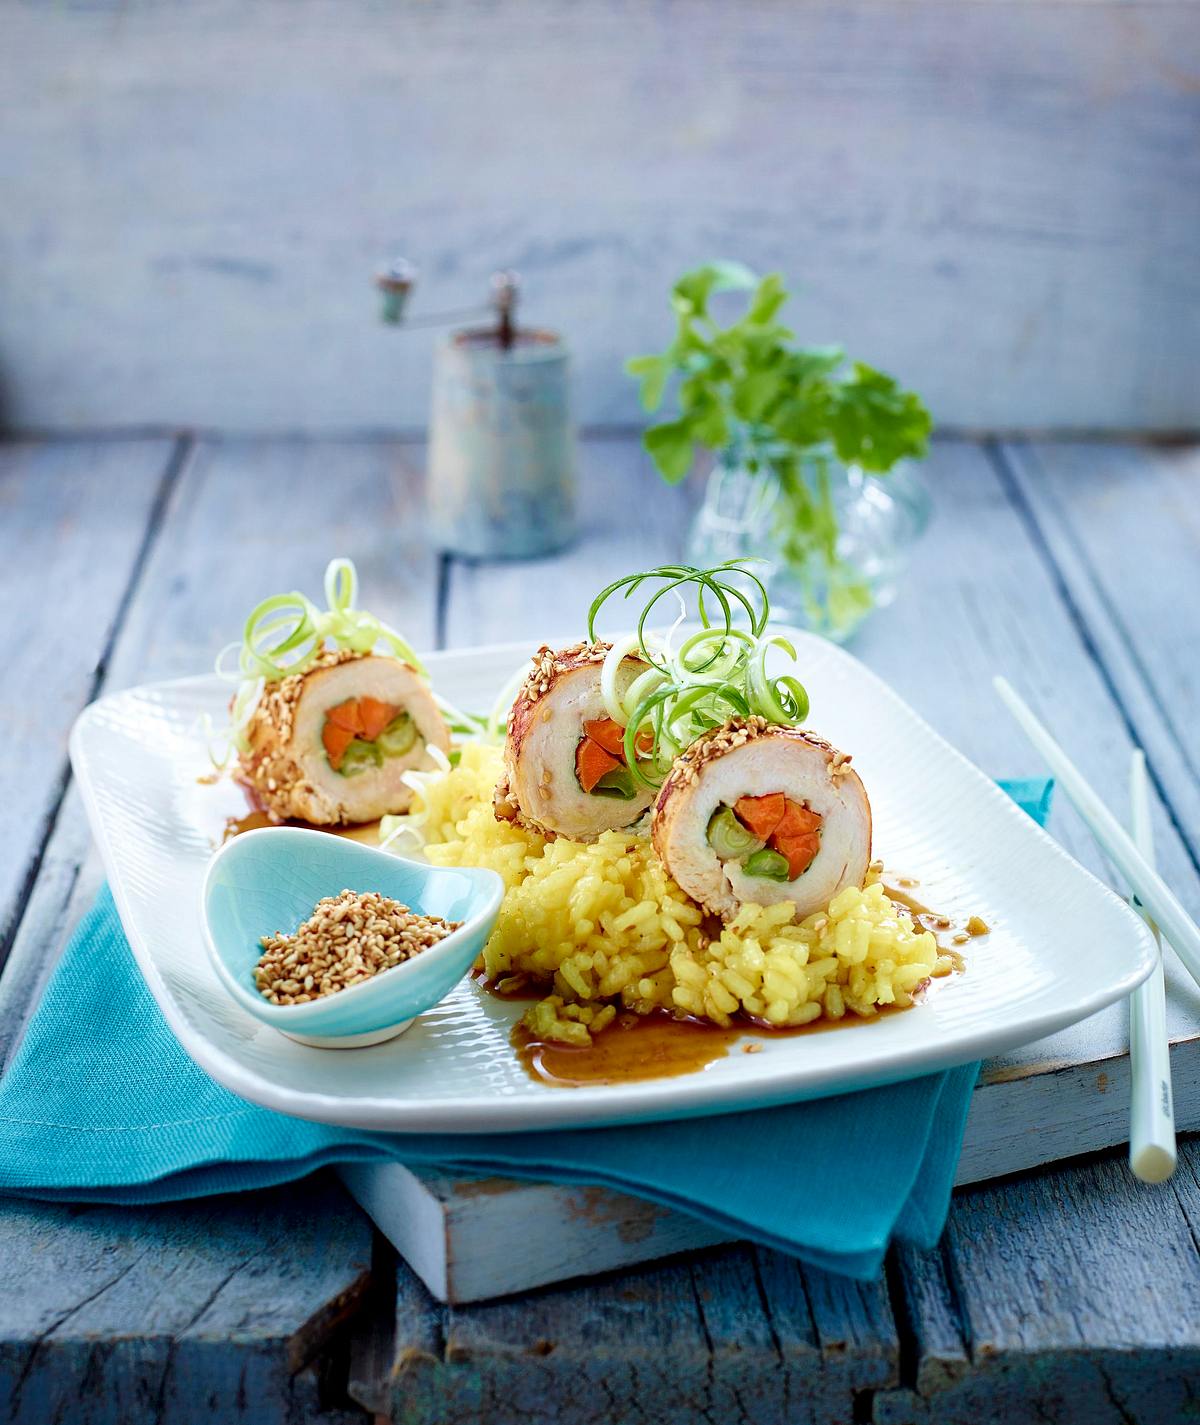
(834, 539)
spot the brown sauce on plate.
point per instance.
(366, 832)
(515, 986)
(949, 936)
(631, 1049)
(655, 1046)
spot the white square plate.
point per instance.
(1061, 945)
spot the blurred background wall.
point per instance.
(999, 200)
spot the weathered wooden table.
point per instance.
(1068, 1295)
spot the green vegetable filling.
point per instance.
(358, 757)
(734, 842)
(399, 737)
(729, 838)
(770, 865)
(619, 783)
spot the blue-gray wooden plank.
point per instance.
(256, 517)
(73, 517)
(729, 1335)
(1074, 1295)
(980, 598)
(984, 596)
(181, 1313)
(1118, 536)
(1069, 1297)
(244, 519)
(997, 199)
(1121, 524)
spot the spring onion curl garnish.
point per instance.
(287, 633)
(716, 673)
(413, 823)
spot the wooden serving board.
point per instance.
(470, 1239)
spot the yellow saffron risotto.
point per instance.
(603, 927)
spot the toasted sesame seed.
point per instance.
(547, 665)
(347, 939)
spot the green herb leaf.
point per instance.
(803, 420)
(690, 350)
(654, 372)
(815, 363)
(691, 293)
(874, 423)
(767, 300)
(672, 449)
(732, 276)
(708, 424)
(754, 395)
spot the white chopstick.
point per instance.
(1152, 891)
(1151, 1113)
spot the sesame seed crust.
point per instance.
(531, 709)
(270, 769)
(505, 808)
(548, 667)
(679, 836)
(737, 732)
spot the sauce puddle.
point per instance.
(654, 1047)
(635, 1048)
(367, 832)
(948, 936)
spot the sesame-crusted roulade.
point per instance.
(566, 771)
(330, 745)
(757, 812)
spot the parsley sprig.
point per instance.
(748, 389)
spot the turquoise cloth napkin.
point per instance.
(100, 1104)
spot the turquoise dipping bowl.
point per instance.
(269, 880)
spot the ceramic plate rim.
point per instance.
(655, 1099)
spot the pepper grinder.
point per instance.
(501, 481)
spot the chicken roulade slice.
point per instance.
(565, 769)
(756, 812)
(330, 745)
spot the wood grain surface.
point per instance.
(1071, 1295)
(61, 504)
(190, 1312)
(242, 520)
(998, 200)
(1121, 527)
